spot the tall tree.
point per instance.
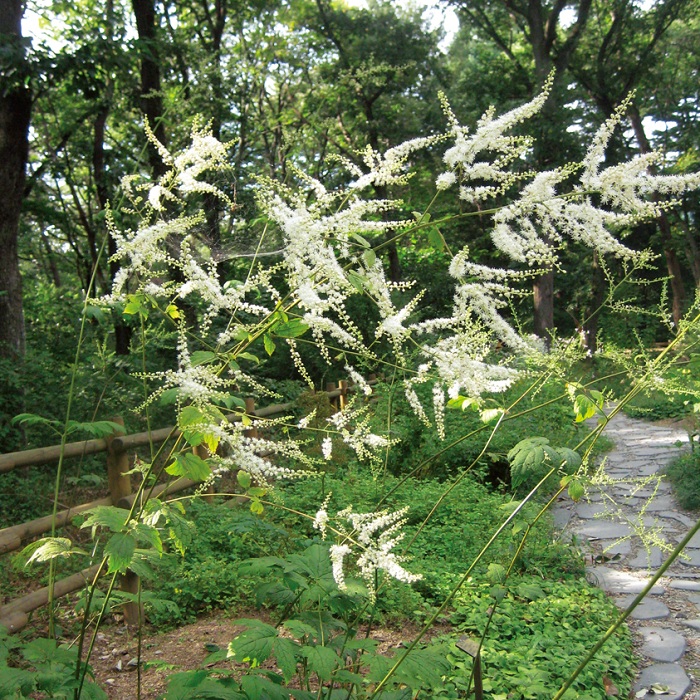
(538, 25)
(15, 114)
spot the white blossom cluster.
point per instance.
(376, 535)
(332, 243)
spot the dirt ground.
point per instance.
(114, 658)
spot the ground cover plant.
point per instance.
(372, 529)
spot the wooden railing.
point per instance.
(14, 615)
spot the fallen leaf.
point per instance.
(610, 688)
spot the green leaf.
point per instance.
(369, 257)
(255, 644)
(256, 507)
(357, 281)
(202, 357)
(496, 573)
(244, 479)
(190, 466)
(300, 629)
(362, 241)
(248, 356)
(291, 329)
(528, 456)
(576, 490)
(269, 344)
(120, 549)
(96, 429)
(435, 239)
(570, 458)
(168, 397)
(110, 517)
(191, 415)
(285, 651)
(30, 419)
(490, 414)
(322, 661)
(530, 591)
(584, 408)
(148, 534)
(49, 548)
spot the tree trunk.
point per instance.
(15, 113)
(673, 265)
(151, 100)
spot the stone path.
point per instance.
(666, 626)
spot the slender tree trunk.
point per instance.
(15, 113)
(673, 265)
(151, 100)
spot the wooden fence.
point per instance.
(14, 615)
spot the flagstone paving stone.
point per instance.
(669, 637)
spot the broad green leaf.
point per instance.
(202, 357)
(190, 466)
(148, 534)
(253, 645)
(120, 550)
(172, 311)
(285, 651)
(570, 458)
(291, 329)
(269, 344)
(49, 548)
(256, 507)
(191, 415)
(321, 660)
(110, 517)
(168, 397)
(300, 629)
(244, 479)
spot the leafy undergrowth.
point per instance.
(684, 475)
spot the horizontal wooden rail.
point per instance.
(13, 616)
(40, 455)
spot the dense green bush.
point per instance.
(684, 475)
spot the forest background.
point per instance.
(289, 87)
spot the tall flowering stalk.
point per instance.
(328, 258)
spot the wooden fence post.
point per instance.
(330, 386)
(250, 410)
(119, 489)
(343, 398)
(202, 451)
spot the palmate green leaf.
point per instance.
(120, 550)
(576, 490)
(569, 458)
(584, 407)
(112, 518)
(149, 535)
(190, 466)
(527, 457)
(255, 644)
(321, 660)
(257, 687)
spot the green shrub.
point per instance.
(684, 475)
